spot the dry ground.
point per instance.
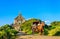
(37, 37)
(22, 35)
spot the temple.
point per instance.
(18, 21)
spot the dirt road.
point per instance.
(37, 37)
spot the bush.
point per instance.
(7, 32)
(55, 31)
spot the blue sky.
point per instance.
(46, 10)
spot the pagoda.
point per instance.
(18, 21)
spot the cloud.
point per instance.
(46, 21)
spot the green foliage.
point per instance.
(55, 23)
(7, 32)
(26, 27)
(46, 30)
(51, 30)
(55, 31)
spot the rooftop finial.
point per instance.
(19, 14)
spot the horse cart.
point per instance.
(38, 27)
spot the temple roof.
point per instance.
(19, 16)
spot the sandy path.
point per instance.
(38, 37)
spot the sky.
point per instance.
(46, 10)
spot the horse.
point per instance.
(38, 28)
